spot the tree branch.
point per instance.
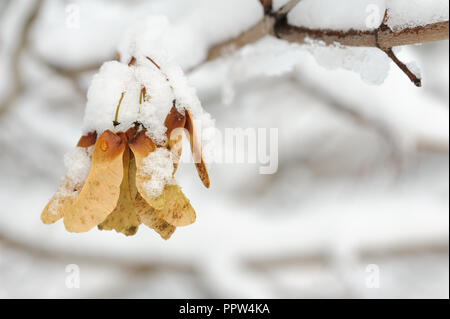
(267, 5)
(275, 23)
(286, 9)
(383, 38)
(261, 29)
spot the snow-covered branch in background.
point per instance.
(350, 28)
(16, 81)
(380, 24)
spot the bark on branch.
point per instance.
(386, 37)
(383, 38)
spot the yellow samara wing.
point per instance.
(196, 150)
(178, 210)
(175, 122)
(142, 145)
(101, 191)
(66, 194)
(124, 219)
(150, 217)
(59, 204)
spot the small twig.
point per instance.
(413, 77)
(116, 118)
(143, 95)
(132, 60)
(151, 60)
(261, 29)
(286, 9)
(267, 6)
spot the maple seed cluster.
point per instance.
(114, 195)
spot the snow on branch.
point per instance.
(264, 27)
(386, 36)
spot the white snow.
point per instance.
(158, 167)
(277, 4)
(104, 94)
(78, 164)
(338, 15)
(157, 103)
(214, 21)
(371, 64)
(412, 13)
(154, 70)
(279, 57)
(187, 39)
(366, 14)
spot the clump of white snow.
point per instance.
(158, 167)
(157, 102)
(146, 38)
(113, 79)
(78, 165)
(365, 15)
(412, 13)
(338, 15)
(371, 64)
(153, 71)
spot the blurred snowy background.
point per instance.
(362, 187)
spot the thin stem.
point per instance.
(267, 6)
(115, 122)
(142, 96)
(286, 8)
(132, 60)
(414, 78)
(156, 64)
